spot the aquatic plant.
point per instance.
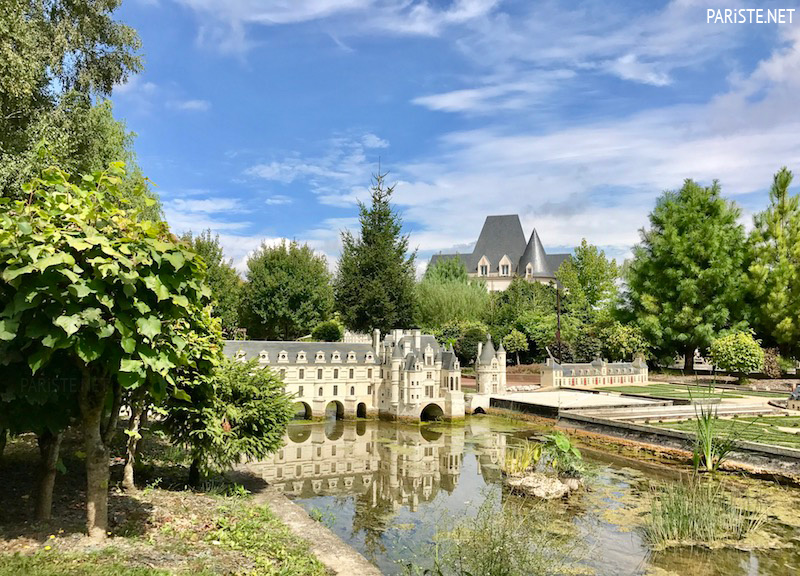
(711, 448)
(519, 459)
(563, 456)
(698, 512)
(513, 539)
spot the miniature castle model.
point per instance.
(501, 253)
(407, 375)
(597, 373)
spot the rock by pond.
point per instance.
(543, 486)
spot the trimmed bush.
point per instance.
(737, 352)
(328, 331)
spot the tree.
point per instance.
(621, 342)
(287, 292)
(221, 277)
(56, 58)
(589, 280)
(684, 283)
(515, 342)
(245, 417)
(464, 337)
(446, 294)
(447, 270)
(328, 331)
(737, 352)
(374, 285)
(774, 266)
(521, 297)
(116, 296)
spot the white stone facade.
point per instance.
(597, 373)
(407, 375)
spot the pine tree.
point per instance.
(374, 286)
(685, 283)
(774, 266)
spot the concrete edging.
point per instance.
(337, 555)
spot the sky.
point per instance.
(265, 120)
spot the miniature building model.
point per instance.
(794, 399)
(597, 373)
(407, 375)
(501, 253)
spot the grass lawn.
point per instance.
(764, 429)
(163, 528)
(686, 392)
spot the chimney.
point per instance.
(417, 339)
(376, 341)
(480, 348)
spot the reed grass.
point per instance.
(519, 459)
(698, 512)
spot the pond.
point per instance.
(387, 488)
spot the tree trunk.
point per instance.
(517, 358)
(97, 437)
(194, 472)
(49, 445)
(688, 360)
(3, 439)
(134, 428)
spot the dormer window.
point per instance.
(320, 356)
(505, 270)
(351, 356)
(336, 357)
(369, 357)
(283, 356)
(263, 356)
(484, 270)
(528, 271)
(301, 356)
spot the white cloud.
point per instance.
(339, 176)
(192, 105)
(278, 200)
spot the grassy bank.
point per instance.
(777, 430)
(163, 528)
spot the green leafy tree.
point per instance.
(515, 342)
(589, 280)
(116, 295)
(685, 280)
(441, 301)
(244, 416)
(464, 336)
(447, 270)
(621, 342)
(221, 277)
(287, 292)
(774, 266)
(737, 352)
(374, 285)
(328, 331)
(57, 58)
(521, 297)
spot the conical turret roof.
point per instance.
(534, 255)
(487, 354)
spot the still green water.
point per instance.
(387, 488)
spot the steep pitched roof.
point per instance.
(500, 236)
(253, 348)
(465, 258)
(535, 256)
(488, 352)
(554, 261)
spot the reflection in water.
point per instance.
(387, 488)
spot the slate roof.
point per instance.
(253, 348)
(535, 256)
(488, 352)
(503, 236)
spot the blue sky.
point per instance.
(264, 119)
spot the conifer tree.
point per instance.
(685, 283)
(774, 266)
(374, 286)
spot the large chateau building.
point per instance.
(405, 375)
(501, 253)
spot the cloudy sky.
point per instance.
(264, 119)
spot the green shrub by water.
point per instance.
(698, 512)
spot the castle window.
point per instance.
(336, 357)
(336, 373)
(352, 373)
(300, 391)
(484, 270)
(430, 375)
(283, 373)
(335, 390)
(351, 356)
(320, 357)
(369, 389)
(352, 390)
(283, 357)
(301, 356)
(429, 391)
(319, 373)
(320, 391)
(263, 356)
(369, 357)
(301, 373)
(369, 373)
(504, 270)
(528, 271)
